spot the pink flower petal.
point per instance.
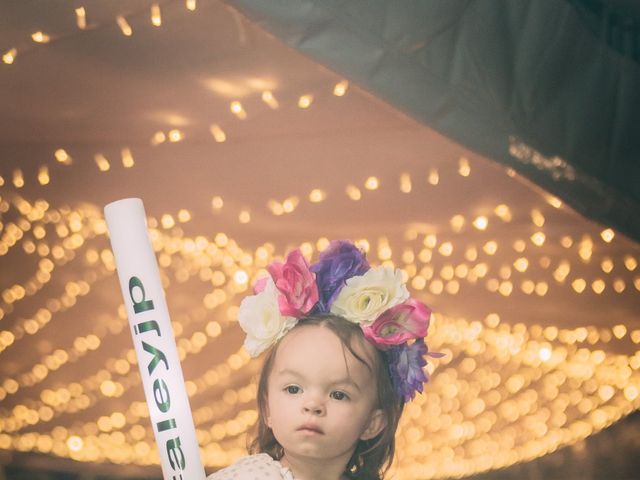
(399, 324)
(298, 292)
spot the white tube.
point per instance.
(154, 342)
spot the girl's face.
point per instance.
(321, 399)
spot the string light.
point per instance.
(102, 162)
(275, 207)
(81, 18)
(405, 183)
(585, 249)
(244, 216)
(167, 221)
(434, 177)
(521, 264)
(579, 285)
(538, 239)
(40, 37)
(606, 265)
(218, 133)
(238, 110)
(62, 157)
(184, 216)
(217, 203)
(290, 204)
(175, 136)
(341, 88)
(269, 99)
(18, 178)
(43, 175)
(158, 138)
(10, 56)
(464, 169)
(127, 158)
(503, 212)
(555, 202)
(372, 183)
(156, 15)
(457, 223)
(124, 26)
(491, 247)
(353, 192)
(537, 218)
(305, 101)
(317, 195)
(619, 285)
(481, 222)
(566, 241)
(446, 249)
(607, 235)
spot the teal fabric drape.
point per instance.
(525, 83)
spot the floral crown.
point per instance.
(342, 283)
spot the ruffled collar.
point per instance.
(285, 472)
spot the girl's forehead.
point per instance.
(317, 346)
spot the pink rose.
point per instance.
(399, 324)
(297, 288)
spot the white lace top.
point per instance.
(254, 467)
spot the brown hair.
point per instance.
(371, 458)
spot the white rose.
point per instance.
(364, 298)
(259, 316)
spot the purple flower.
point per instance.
(339, 262)
(405, 366)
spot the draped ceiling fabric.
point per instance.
(242, 147)
(526, 83)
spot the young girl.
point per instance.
(348, 352)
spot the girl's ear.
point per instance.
(377, 422)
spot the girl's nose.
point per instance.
(313, 407)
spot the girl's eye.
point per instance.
(338, 395)
(292, 389)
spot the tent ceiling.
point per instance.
(490, 74)
(482, 245)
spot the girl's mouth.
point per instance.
(311, 430)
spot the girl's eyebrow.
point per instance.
(339, 381)
(288, 371)
(346, 381)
